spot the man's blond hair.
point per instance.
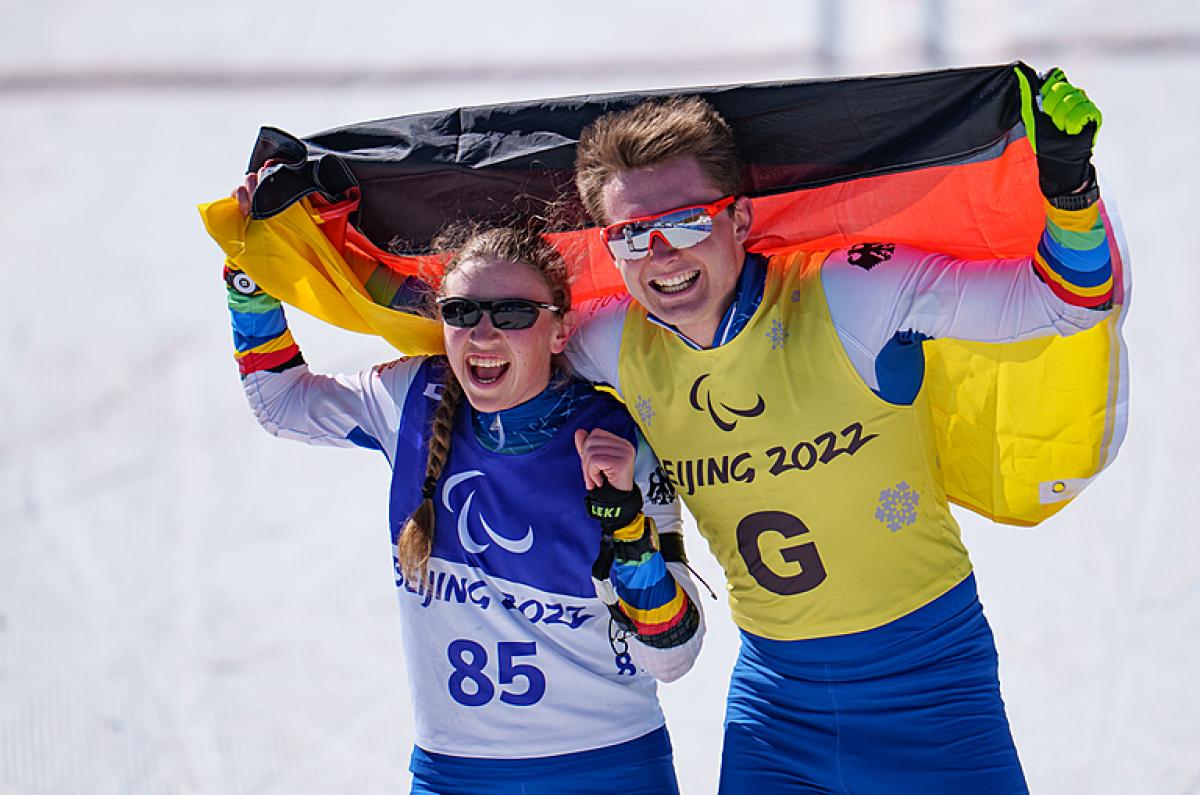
(651, 133)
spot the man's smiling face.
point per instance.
(689, 288)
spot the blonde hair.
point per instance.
(654, 132)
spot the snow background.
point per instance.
(188, 605)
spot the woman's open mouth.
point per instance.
(486, 370)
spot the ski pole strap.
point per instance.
(604, 560)
(621, 620)
(602, 580)
(671, 547)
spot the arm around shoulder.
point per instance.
(595, 347)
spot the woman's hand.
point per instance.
(605, 457)
(244, 193)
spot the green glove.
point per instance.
(1067, 106)
(1062, 124)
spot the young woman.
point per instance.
(522, 678)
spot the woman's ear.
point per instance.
(563, 330)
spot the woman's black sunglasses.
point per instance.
(508, 314)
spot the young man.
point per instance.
(784, 398)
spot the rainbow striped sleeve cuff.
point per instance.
(261, 339)
(662, 613)
(1072, 257)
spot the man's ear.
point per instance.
(743, 218)
(566, 327)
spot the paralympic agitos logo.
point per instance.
(722, 423)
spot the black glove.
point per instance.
(613, 507)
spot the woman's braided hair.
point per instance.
(463, 243)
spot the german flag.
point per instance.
(937, 160)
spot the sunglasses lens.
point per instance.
(621, 249)
(682, 228)
(460, 312)
(510, 314)
(687, 236)
(514, 314)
